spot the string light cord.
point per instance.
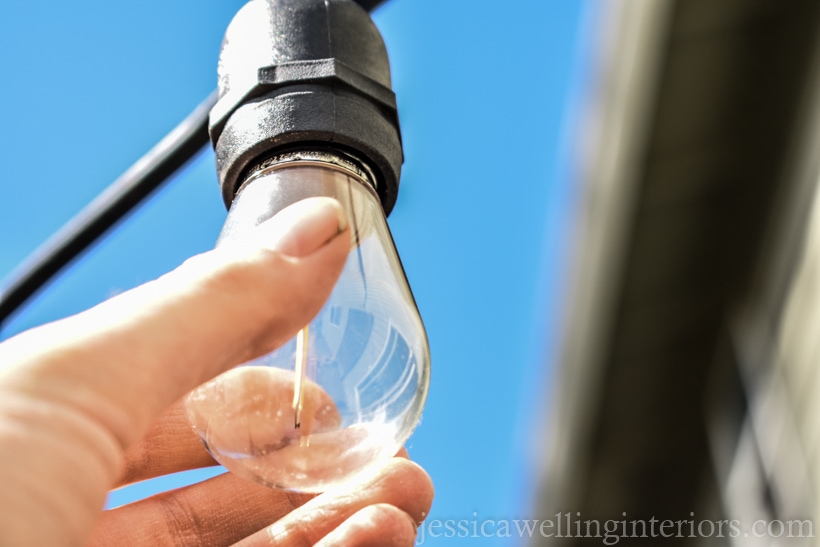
(132, 188)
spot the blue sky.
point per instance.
(484, 88)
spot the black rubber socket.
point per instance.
(305, 72)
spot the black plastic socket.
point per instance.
(312, 72)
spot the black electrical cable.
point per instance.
(116, 201)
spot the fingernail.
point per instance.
(302, 228)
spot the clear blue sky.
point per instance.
(484, 89)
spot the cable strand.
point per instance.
(107, 209)
(113, 204)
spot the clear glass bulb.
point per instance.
(348, 390)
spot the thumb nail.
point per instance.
(302, 228)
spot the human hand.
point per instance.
(94, 401)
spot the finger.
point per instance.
(225, 509)
(219, 511)
(379, 525)
(245, 411)
(129, 358)
(400, 483)
(168, 446)
(246, 419)
(89, 386)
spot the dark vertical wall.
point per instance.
(734, 74)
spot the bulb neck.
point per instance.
(334, 160)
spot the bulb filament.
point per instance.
(299, 376)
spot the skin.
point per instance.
(95, 401)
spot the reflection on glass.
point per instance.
(366, 367)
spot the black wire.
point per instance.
(116, 201)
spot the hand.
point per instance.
(95, 401)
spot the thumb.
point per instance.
(74, 394)
(126, 360)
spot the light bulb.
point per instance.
(348, 390)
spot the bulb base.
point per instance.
(294, 73)
(339, 161)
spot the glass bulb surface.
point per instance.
(349, 389)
